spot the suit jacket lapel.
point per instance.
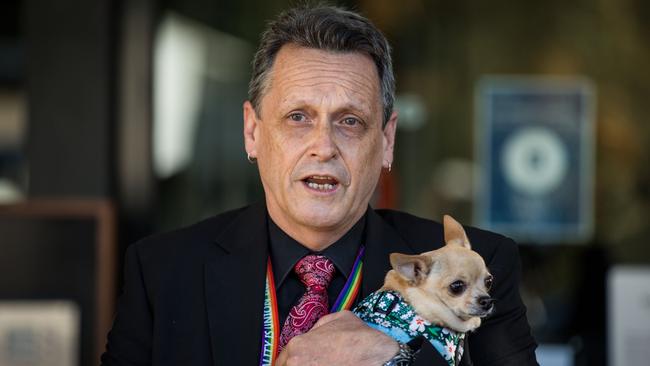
(381, 240)
(234, 289)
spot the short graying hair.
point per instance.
(326, 28)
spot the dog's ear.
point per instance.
(454, 232)
(413, 268)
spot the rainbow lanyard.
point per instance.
(271, 328)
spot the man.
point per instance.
(320, 125)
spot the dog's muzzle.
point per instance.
(486, 304)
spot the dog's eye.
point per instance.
(457, 287)
(488, 282)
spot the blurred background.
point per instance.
(119, 119)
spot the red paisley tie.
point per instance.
(315, 272)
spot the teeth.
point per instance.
(321, 187)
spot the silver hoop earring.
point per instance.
(390, 166)
(251, 160)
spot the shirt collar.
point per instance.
(286, 251)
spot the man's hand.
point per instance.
(339, 339)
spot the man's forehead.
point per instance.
(349, 75)
(295, 100)
(293, 52)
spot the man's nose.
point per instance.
(323, 146)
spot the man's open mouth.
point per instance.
(321, 182)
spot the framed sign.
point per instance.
(535, 151)
(39, 333)
(628, 315)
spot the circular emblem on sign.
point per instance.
(534, 160)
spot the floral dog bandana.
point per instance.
(388, 312)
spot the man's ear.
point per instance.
(250, 128)
(454, 232)
(389, 139)
(413, 268)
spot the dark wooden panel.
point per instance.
(62, 250)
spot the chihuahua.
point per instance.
(438, 295)
(448, 286)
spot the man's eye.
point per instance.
(350, 121)
(297, 117)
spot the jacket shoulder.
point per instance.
(190, 239)
(423, 234)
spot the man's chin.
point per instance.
(321, 220)
(323, 215)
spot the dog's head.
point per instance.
(453, 275)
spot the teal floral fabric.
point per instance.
(388, 312)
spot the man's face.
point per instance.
(318, 140)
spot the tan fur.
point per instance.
(424, 280)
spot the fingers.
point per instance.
(295, 353)
(332, 317)
(338, 339)
(282, 358)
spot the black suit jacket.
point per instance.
(194, 296)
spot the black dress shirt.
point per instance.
(286, 252)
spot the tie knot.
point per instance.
(315, 271)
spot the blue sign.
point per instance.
(535, 149)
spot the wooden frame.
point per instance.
(102, 211)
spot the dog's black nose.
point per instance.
(486, 302)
